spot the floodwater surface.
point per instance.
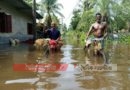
(71, 76)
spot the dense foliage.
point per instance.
(115, 12)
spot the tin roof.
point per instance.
(21, 6)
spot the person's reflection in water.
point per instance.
(44, 82)
(45, 73)
(45, 76)
(87, 60)
(97, 58)
(105, 58)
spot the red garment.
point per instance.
(53, 43)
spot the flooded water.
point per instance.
(70, 78)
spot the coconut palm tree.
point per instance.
(29, 2)
(103, 7)
(51, 8)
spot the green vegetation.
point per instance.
(51, 8)
(115, 12)
(29, 2)
(124, 38)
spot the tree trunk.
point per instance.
(34, 19)
(49, 20)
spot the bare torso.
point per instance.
(99, 29)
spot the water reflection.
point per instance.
(67, 54)
(45, 81)
(29, 81)
(71, 79)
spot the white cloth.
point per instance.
(90, 40)
(98, 39)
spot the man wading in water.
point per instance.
(99, 32)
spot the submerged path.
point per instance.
(67, 77)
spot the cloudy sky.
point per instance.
(68, 5)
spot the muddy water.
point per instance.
(73, 77)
